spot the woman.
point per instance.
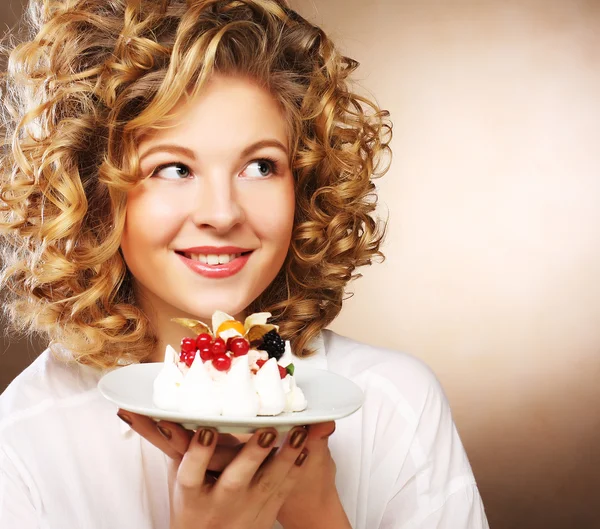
(171, 158)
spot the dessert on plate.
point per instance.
(234, 369)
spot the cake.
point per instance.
(234, 369)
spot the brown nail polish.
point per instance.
(166, 433)
(297, 438)
(301, 458)
(266, 439)
(330, 433)
(206, 437)
(124, 417)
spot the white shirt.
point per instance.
(68, 462)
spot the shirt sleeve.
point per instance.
(16, 508)
(462, 509)
(436, 488)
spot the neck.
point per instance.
(168, 332)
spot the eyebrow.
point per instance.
(264, 143)
(178, 149)
(175, 149)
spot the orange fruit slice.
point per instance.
(231, 324)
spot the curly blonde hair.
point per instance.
(95, 75)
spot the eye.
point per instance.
(172, 171)
(262, 168)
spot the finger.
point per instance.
(292, 477)
(146, 427)
(193, 467)
(318, 441)
(283, 472)
(223, 456)
(177, 436)
(296, 473)
(275, 472)
(269, 458)
(239, 474)
(227, 439)
(317, 444)
(321, 431)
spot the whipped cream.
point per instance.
(294, 396)
(198, 391)
(238, 394)
(202, 389)
(167, 385)
(270, 389)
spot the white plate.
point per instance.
(330, 397)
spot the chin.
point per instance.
(208, 307)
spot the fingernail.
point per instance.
(166, 433)
(301, 458)
(330, 433)
(206, 437)
(297, 438)
(266, 439)
(124, 417)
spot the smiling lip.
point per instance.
(219, 270)
(214, 250)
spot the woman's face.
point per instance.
(210, 225)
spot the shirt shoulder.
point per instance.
(406, 403)
(47, 383)
(401, 376)
(417, 465)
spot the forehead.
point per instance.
(228, 113)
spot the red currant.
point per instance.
(203, 340)
(221, 362)
(218, 347)
(188, 345)
(239, 346)
(206, 353)
(282, 371)
(182, 356)
(190, 358)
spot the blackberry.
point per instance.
(273, 344)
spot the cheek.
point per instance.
(273, 218)
(151, 218)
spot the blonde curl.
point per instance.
(96, 75)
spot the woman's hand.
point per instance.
(315, 502)
(173, 439)
(249, 492)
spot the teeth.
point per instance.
(213, 259)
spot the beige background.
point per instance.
(494, 235)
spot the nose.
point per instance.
(216, 205)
